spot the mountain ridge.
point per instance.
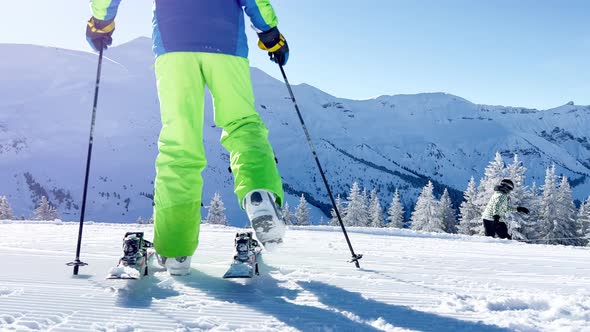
(45, 114)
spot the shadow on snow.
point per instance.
(265, 295)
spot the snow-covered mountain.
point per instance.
(387, 142)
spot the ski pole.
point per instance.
(355, 257)
(77, 263)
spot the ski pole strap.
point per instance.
(109, 28)
(275, 48)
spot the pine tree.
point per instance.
(549, 207)
(470, 220)
(356, 213)
(375, 211)
(584, 221)
(302, 212)
(426, 216)
(149, 221)
(520, 226)
(365, 221)
(447, 213)
(216, 213)
(565, 229)
(396, 212)
(534, 205)
(334, 220)
(287, 217)
(45, 211)
(5, 209)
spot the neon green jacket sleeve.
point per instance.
(261, 14)
(104, 9)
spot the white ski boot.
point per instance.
(265, 217)
(176, 266)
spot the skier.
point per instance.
(497, 208)
(201, 43)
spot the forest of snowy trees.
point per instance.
(44, 210)
(553, 217)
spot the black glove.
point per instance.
(522, 210)
(276, 45)
(496, 218)
(99, 33)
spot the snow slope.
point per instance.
(398, 141)
(408, 281)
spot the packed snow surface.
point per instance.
(408, 281)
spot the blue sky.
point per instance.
(531, 53)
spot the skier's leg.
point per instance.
(502, 230)
(181, 158)
(244, 135)
(489, 228)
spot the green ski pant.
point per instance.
(181, 79)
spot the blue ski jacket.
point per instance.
(213, 26)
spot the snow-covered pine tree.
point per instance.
(447, 213)
(584, 221)
(375, 210)
(548, 205)
(365, 207)
(45, 211)
(5, 209)
(587, 220)
(534, 206)
(565, 230)
(302, 212)
(334, 220)
(426, 216)
(470, 222)
(395, 213)
(356, 213)
(140, 220)
(519, 224)
(216, 214)
(286, 211)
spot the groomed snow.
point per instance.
(408, 281)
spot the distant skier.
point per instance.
(201, 43)
(497, 208)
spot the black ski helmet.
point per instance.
(508, 184)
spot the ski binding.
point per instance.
(245, 264)
(134, 263)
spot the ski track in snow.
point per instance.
(407, 281)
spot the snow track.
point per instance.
(408, 281)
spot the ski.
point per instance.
(136, 254)
(245, 264)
